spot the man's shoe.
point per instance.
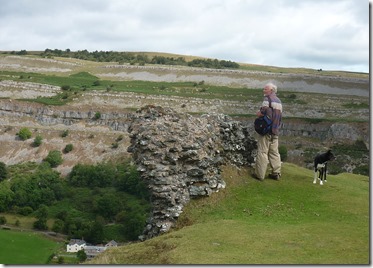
(275, 176)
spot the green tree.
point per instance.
(2, 220)
(96, 234)
(101, 175)
(62, 215)
(81, 255)
(42, 212)
(61, 260)
(37, 141)
(108, 205)
(24, 133)
(54, 158)
(41, 216)
(40, 224)
(128, 179)
(68, 148)
(134, 226)
(3, 171)
(6, 196)
(58, 226)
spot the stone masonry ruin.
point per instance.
(179, 156)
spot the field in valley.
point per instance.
(26, 247)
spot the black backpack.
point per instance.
(263, 124)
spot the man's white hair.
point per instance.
(272, 86)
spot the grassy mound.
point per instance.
(291, 221)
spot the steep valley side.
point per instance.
(107, 138)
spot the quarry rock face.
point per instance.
(179, 157)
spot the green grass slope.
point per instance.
(291, 221)
(25, 248)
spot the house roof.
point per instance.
(76, 242)
(112, 243)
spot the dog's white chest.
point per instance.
(320, 166)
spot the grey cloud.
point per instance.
(289, 33)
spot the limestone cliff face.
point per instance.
(179, 157)
(46, 115)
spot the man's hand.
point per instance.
(259, 114)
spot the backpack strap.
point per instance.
(270, 102)
(270, 106)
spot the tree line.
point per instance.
(98, 202)
(134, 58)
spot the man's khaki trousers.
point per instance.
(267, 153)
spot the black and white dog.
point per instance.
(320, 165)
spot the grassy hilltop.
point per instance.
(291, 221)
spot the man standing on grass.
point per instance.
(268, 144)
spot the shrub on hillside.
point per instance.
(64, 133)
(68, 148)
(40, 224)
(54, 158)
(37, 141)
(24, 133)
(363, 170)
(97, 116)
(283, 152)
(25, 210)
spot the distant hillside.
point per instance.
(141, 58)
(321, 109)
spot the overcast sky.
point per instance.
(326, 34)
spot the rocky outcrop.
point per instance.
(340, 131)
(179, 157)
(46, 115)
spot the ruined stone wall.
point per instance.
(179, 157)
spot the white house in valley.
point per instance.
(75, 245)
(92, 251)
